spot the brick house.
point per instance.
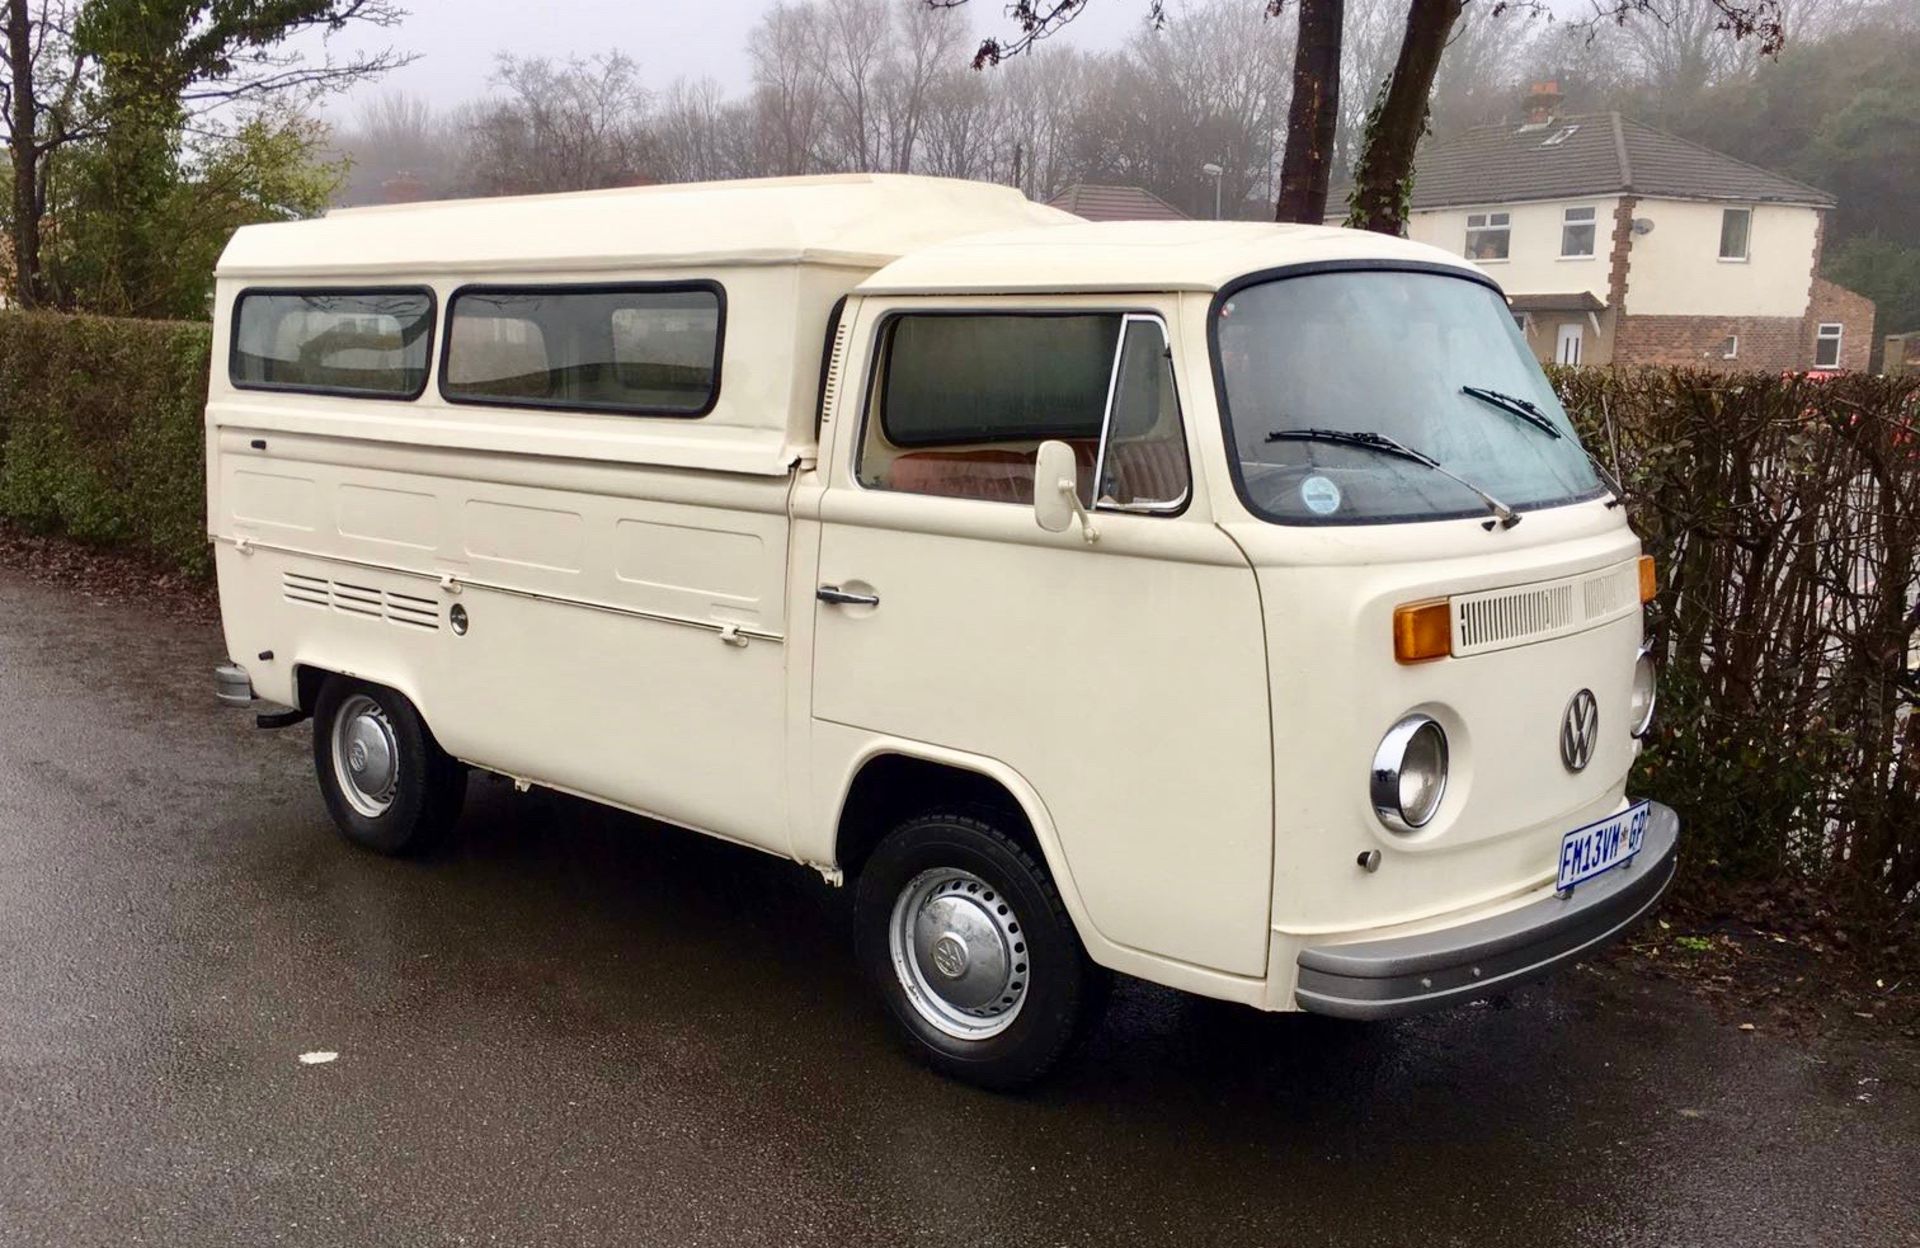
(1619, 243)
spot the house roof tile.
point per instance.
(1115, 203)
(1590, 154)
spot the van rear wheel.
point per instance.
(968, 942)
(388, 785)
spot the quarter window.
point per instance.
(1488, 234)
(1826, 346)
(961, 404)
(1576, 232)
(635, 350)
(363, 343)
(1736, 226)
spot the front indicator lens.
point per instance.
(1646, 692)
(1409, 773)
(1422, 631)
(1649, 580)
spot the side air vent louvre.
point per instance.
(1497, 619)
(831, 386)
(365, 601)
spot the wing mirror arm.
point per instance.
(1056, 491)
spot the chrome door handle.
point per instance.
(840, 597)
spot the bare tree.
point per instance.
(925, 42)
(577, 125)
(691, 132)
(788, 96)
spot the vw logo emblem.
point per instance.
(1579, 731)
(950, 956)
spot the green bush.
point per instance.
(101, 431)
(1784, 515)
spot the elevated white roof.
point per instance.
(858, 221)
(1133, 256)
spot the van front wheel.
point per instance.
(965, 936)
(388, 785)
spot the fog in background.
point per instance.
(600, 94)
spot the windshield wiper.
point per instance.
(1385, 445)
(1530, 412)
(1514, 405)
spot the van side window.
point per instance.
(637, 350)
(962, 402)
(367, 343)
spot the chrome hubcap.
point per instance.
(365, 755)
(959, 952)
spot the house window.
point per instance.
(1826, 346)
(1576, 232)
(1487, 235)
(1736, 225)
(1730, 347)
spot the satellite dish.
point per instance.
(1643, 225)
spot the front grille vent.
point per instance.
(365, 601)
(1496, 619)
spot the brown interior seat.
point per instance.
(991, 474)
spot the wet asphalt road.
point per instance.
(577, 1027)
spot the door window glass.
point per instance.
(962, 402)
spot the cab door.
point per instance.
(1120, 672)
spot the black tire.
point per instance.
(1064, 991)
(428, 786)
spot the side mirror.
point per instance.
(1056, 490)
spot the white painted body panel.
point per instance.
(1184, 710)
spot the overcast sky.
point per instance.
(455, 41)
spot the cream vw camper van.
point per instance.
(1228, 605)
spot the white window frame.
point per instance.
(1488, 225)
(1837, 338)
(1730, 349)
(1745, 255)
(1591, 220)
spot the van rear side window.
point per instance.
(365, 343)
(637, 350)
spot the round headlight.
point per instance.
(1646, 689)
(1409, 773)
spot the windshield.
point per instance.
(1395, 353)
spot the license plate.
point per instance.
(1600, 847)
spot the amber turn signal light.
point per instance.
(1649, 582)
(1422, 631)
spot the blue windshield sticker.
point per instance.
(1321, 496)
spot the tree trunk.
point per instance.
(25, 232)
(1307, 167)
(1383, 180)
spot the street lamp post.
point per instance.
(1214, 171)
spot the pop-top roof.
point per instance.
(850, 220)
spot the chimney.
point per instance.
(1543, 103)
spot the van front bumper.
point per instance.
(1411, 974)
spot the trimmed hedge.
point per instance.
(1784, 514)
(101, 433)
